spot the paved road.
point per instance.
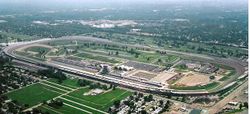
(218, 106)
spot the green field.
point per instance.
(108, 53)
(70, 93)
(143, 56)
(101, 101)
(225, 77)
(41, 51)
(29, 55)
(37, 49)
(113, 53)
(64, 110)
(97, 57)
(68, 82)
(181, 68)
(206, 87)
(33, 94)
(60, 51)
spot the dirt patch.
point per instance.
(143, 74)
(193, 79)
(163, 77)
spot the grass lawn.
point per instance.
(72, 83)
(60, 52)
(231, 72)
(97, 57)
(179, 68)
(144, 56)
(170, 58)
(58, 86)
(62, 110)
(38, 49)
(74, 102)
(235, 111)
(206, 87)
(81, 106)
(104, 99)
(28, 55)
(33, 94)
(224, 66)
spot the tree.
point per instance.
(140, 95)
(26, 105)
(60, 81)
(51, 73)
(168, 66)
(113, 87)
(150, 97)
(55, 103)
(161, 103)
(168, 102)
(143, 112)
(116, 53)
(117, 103)
(246, 104)
(131, 97)
(44, 102)
(105, 87)
(109, 110)
(136, 55)
(126, 102)
(136, 99)
(36, 111)
(182, 66)
(131, 104)
(169, 96)
(183, 99)
(110, 86)
(240, 106)
(105, 70)
(159, 60)
(135, 93)
(212, 77)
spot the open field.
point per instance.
(37, 51)
(227, 76)
(71, 94)
(143, 74)
(193, 79)
(164, 77)
(34, 94)
(140, 56)
(97, 57)
(64, 110)
(69, 82)
(102, 101)
(206, 87)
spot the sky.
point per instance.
(121, 1)
(117, 3)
